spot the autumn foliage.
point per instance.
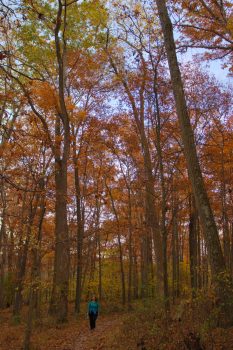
(95, 191)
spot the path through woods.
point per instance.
(74, 335)
(96, 340)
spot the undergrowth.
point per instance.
(190, 325)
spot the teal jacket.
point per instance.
(93, 307)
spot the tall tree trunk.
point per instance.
(135, 275)
(4, 246)
(175, 254)
(3, 256)
(231, 253)
(144, 265)
(60, 291)
(28, 329)
(100, 265)
(130, 229)
(152, 225)
(17, 303)
(193, 246)
(98, 241)
(80, 233)
(225, 223)
(10, 251)
(35, 277)
(123, 289)
(86, 265)
(37, 259)
(163, 194)
(202, 202)
(59, 299)
(22, 259)
(93, 252)
(130, 247)
(199, 285)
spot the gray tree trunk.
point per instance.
(59, 298)
(202, 202)
(193, 256)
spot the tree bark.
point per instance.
(3, 243)
(193, 247)
(59, 298)
(98, 242)
(35, 276)
(135, 276)
(130, 241)
(163, 195)
(3, 257)
(225, 221)
(80, 233)
(123, 289)
(23, 254)
(175, 254)
(231, 251)
(202, 202)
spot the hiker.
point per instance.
(93, 310)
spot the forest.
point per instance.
(116, 174)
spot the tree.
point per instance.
(134, 84)
(207, 24)
(215, 255)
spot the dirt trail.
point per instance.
(74, 335)
(85, 339)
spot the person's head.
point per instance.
(93, 298)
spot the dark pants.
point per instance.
(92, 318)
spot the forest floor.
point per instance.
(74, 335)
(140, 328)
